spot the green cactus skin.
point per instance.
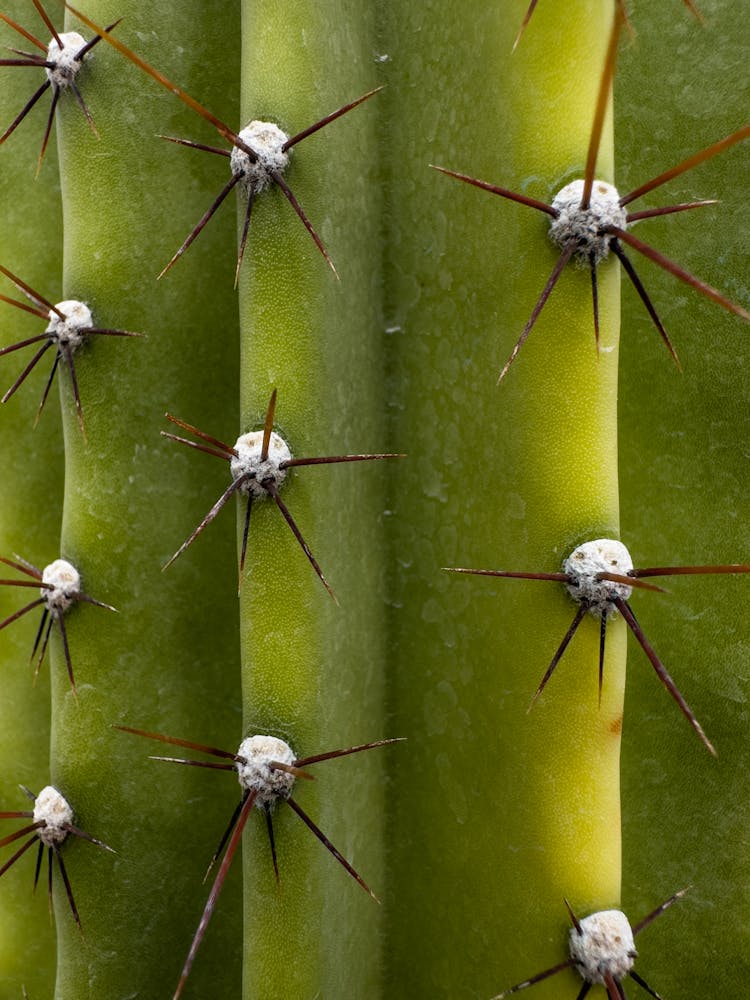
(313, 673)
(474, 830)
(512, 477)
(685, 481)
(169, 660)
(30, 498)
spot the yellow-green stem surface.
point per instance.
(168, 660)
(313, 671)
(30, 495)
(514, 810)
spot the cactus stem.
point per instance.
(621, 10)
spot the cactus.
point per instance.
(376, 301)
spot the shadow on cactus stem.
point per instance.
(258, 156)
(589, 218)
(60, 585)
(69, 324)
(267, 769)
(622, 10)
(600, 576)
(259, 462)
(62, 61)
(602, 950)
(53, 822)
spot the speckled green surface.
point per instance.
(685, 479)
(313, 672)
(30, 494)
(509, 810)
(169, 660)
(474, 830)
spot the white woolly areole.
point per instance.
(66, 65)
(258, 776)
(248, 462)
(66, 586)
(585, 226)
(71, 331)
(54, 811)
(603, 555)
(604, 946)
(266, 141)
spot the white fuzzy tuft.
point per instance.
(604, 946)
(66, 586)
(54, 811)
(66, 65)
(257, 775)
(248, 462)
(584, 564)
(586, 227)
(70, 332)
(266, 141)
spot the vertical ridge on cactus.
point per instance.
(119, 228)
